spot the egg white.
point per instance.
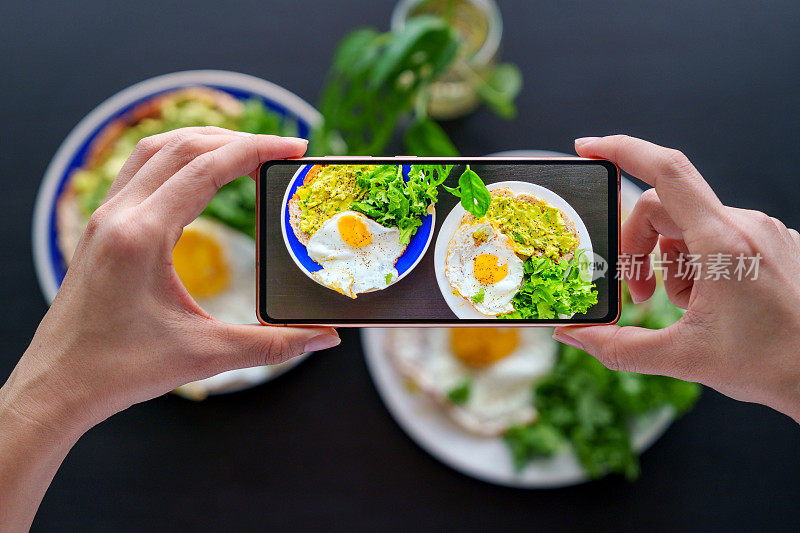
(369, 266)
(501, 393)
(461, 253)
(235, 304)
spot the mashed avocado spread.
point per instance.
(93, 184)
(327, 190)
(536, 228)
(235, 203)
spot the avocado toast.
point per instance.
(536, 228)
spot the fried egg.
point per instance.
(482, 377)
(357, 254)
(482, 267)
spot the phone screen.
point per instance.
(438, 241)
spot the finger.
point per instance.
(677, 284)
(147, 148)
(240, 346)
(686, 196)
(631, 349)
(640, 233)
(173, 156)
(184, 196)
(795, 236)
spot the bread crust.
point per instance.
(531, 199)
(294, 206)
(294, 221)
(70, 222)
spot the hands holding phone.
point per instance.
(123, 329)
(737, 336)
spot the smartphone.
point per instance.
(406, 241)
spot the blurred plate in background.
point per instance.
(486, 458)
(72, 155)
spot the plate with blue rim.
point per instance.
(73, 154)
(409, 259)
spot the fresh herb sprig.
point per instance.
(373, 83)
(475, 197)
(378, 81)
(551, 288)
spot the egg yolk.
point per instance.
(354, 231)
(200, 265)
(483, 346)
(487, 270)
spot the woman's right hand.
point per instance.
(741, 337)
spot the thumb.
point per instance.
(631, 349)
(255, 344)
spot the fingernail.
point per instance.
(321, 342)
(566, 339)
(298, 139)
(583, 140)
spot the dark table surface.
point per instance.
(719, 79)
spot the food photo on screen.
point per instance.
(439, 241)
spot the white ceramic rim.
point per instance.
(284, 231)
(46, 196)
(458, 305)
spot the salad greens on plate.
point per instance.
(551, 288)
(587, 408)
(392, 201)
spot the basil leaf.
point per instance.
(452, 190)
(475, 197)
(374, 81)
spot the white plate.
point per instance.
(487, 459)
(484, 458)
(47, 257)
(460, 306)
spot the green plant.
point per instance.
(380, 81)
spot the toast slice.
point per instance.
(294, 206)
(531, 199)
(70, 217)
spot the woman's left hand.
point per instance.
(122, 328)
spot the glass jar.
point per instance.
(481, 28)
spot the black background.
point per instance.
(718, 79)
(292, 297)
